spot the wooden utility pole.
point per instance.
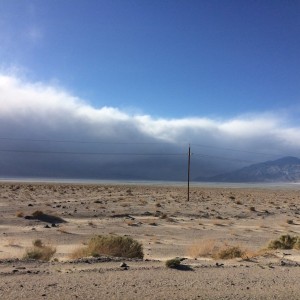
(189, 171)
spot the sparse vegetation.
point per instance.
(129, 192)
(37, 243)
(216, 250)
(118, 246)
(204, 248)
(20, 214)
(285, 242)
(173, 263)
(229, 252)
(37, 213)
(163, 216)
(39, 251)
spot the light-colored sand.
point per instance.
(166, 224)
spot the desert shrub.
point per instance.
(37, 243)
(79, 253)
(119, 246)
(297, 243)
(37, 213)
(20, 214)
(285, 242)
(173, 263)
(229, 252)
(163, 216)
(204, 248)
(216, 250)
(39, 251)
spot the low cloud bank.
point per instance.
(55, 132)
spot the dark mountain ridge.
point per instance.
(286, 169)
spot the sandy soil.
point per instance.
(166, 224)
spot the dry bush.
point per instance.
(40, 251)
(216, 250)
(230, 252)
(129, 222)
(204, 248)
(37, 243)
(20, 214)
(297, 244)
(143, 202)
(37, 213)
(79, 253)
(119, 246)
(285, 242)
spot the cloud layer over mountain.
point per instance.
(31, 112)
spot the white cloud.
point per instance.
(38, 110)
(25, 100)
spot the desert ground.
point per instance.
(167, 225)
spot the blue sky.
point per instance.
(217, 74)
(164, 58)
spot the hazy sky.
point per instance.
(224, 74)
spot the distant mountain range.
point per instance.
(286, 169)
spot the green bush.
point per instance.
(173, 263)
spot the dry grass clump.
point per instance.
(204, 248)
(79, 253)
(39, 251)
(285, 242)
(111, 245)
(216, 250)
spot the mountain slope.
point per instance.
(286, 169)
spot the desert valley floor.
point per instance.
(168, 226)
